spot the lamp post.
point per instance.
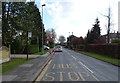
(29, 35)
(69, 39)
(42, 29)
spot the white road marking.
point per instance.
(83, 64)
(85, 67)
(73, 57)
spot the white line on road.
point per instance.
(73, 57)
(83, 64)
(85, 67)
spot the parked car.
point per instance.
(46, 47)
(58, 48)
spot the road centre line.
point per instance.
(73, 57)
(85, 67)
(43, 72)
(83, 64)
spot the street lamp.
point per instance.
(69, 39)
(29, 35)
(42, 29)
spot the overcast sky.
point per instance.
(77, 16)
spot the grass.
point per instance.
(102, 57)
(40, 53)
(12, 64)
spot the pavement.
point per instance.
(28, 71)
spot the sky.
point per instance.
(77, 16)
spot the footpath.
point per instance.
(28, 71)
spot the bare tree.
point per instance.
(109, 24)
(51, 36)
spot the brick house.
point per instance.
(112, 36)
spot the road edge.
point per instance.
(96, 58)
(41, 69)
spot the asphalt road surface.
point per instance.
(72, 66)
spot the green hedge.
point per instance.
(115, 41)
(33, 49)
(111, 50)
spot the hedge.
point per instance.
(31, 49)
(112, 50)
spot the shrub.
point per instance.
(33, 49)
(111, 50)
(115, 41)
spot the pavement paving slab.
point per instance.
(27, 71)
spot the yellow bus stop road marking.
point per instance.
(81, 76)
(95, 78)
(43, 72)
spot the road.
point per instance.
(72, 66)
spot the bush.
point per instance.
(111, 50)
(18, 46)
(33, 49)
(115, 41)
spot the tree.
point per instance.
(109, 24)
(61, 39)
(17, 19)
(69, 41)
(50, 37)
(94, 34)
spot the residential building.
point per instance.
(112, 36)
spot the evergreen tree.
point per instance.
(96, 30)
(94, 34)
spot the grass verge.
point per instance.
(102, 57)
(40, 53)
(14, 63)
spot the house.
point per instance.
(112, 36)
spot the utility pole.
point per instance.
(42, 30)
(69, 39)
(108, 31)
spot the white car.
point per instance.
(46, 47)
(58, 48)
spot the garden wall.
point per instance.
(112, 50)
(4, 54)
